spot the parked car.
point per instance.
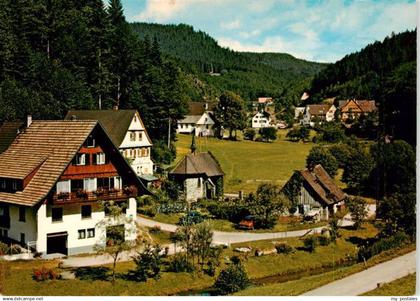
(248, 222)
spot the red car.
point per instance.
(247, 223)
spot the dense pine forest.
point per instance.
(384, 71)
(61, 55)
(247, 74)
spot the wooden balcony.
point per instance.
(101, 194)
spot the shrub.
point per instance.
(180, 263)
(232, 279)
(249, 134)
(324, 240)
(148, 211)
(284, 248)
(268, 134)
(191, 218)
(384, 244)
(43, 274)
(148, 264)
(310, 243)
(4, 248)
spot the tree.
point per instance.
(250, 134)
(358, 210)
(298, 133)
(268, 133)
(398, 211)
(267, 204)
(230, 113)
(321, 155)
(115, 228)
(148, 264)
(334, 228)
(331, 132)
(232, 279)
(357, 170)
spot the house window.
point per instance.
(103, 183)
(115, 182)
(22, 238)
(90, 142)
(91, 232)
(2, 184)
(76, 185)
(132, 136)
(89, 184)
(57, 214)
(14, 185)
(82, 233)
(5, 233)
(199, 182)
(80, 159)
(100, 158)
(22, 214)
(63, 186)
(86, 211)
(140, 136)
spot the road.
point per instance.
(367, 280)
(220, 237)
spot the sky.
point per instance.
(316, 30)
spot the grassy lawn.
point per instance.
(161, 237)
(247, 163)
(405, 286)
(276, 266)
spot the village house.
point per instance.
(127, 131)
(261, 119)
(299, 113)
(352, 109)
(52, 178)
(318, 113)
(314, 193)
(198, 175)
(200, 119)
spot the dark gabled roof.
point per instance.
(366, 106)
(47, 146)
(199, 107)
(319, 109)
(198, 164)
(322, 184)
(115, 122)
(8, 132)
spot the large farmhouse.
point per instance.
(314, 193)
(353, 109)
(127, 131)
(52, 178)
(200, 119)
(318, 113)
(261, 120)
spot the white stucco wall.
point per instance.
(141, 165)
(29, 227)
(193, 192)
(73, 221)
(260, 121)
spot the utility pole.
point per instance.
(169, 131)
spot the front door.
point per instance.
(57, 243)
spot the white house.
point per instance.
(126, 129)
(199, 118)
(261, 119)
(299, 112)
(318, 113)
(52, 178)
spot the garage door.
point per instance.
(57, 243)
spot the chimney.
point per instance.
(115, 108)
(28, 120)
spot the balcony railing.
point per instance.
(98, 195)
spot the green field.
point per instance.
(248, 163)
(405, 286)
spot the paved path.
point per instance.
(220, 237)
(367, 280)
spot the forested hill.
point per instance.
(248, 74)
(384, 71)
